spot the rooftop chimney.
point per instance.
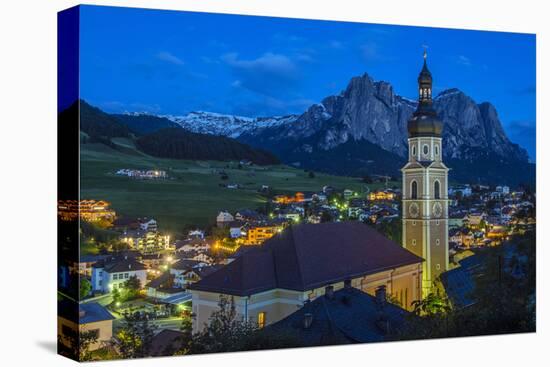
(381, 295)
(329, 292)
(308, 319)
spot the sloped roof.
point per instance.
(124, 265)
(308, 256)
(94, 312)
(350, 316)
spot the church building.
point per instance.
(425, 213)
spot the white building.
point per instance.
(149, 225)
(107, 276)
(224, 217)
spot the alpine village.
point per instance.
(183, 254)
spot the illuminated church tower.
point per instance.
(425, 215)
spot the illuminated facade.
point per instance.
(257, 235)
(285, 199)
(425, 212)
(381, 195)
(89, 210)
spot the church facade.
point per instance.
(425, 204)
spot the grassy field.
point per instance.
(192, 196)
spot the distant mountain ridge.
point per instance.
(363, 130)
(370, 110)
(160, 137)
(474, 142)
(227, 125)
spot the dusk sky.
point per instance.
(168, 62)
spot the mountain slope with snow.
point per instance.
(228, 125)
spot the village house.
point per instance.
(382, 195)
(287, 199)
(224, 218)
(473, 220)
(148, 224)
(141, 174)
(462, 237)
(113, 273)
(463, 190)
(91, 317)
(256, 235)
(248, 215)
(86, 263)
(190, 271)
(192, 245)
(272, 281)
(346, 316)
(88, 210)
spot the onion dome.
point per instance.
(424, 121)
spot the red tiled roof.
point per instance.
(308, 256)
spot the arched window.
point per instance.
(437, 195)
(426, 149)
(436, 150)
(414, 190)
(414, 150)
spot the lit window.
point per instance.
(261, 319)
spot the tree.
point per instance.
(85, 339)
(228, 332)
(432, 305)
(132, 286)
(326, 217)
(503, 297)
(135, 337)
(116, 296)
(85, 287)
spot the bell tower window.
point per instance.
(413, 150)
(437, 194)
(414, 190)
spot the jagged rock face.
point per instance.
(366, 110)
(369, 110)
(469, 125)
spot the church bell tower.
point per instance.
(425, 213)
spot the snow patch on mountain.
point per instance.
(227, 125)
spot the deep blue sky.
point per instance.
(170, 62)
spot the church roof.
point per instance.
(308, 256)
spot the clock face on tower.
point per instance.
(437, 209)
(413, 210)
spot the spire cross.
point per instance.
(425, 51)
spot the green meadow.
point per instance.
(194, 193)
